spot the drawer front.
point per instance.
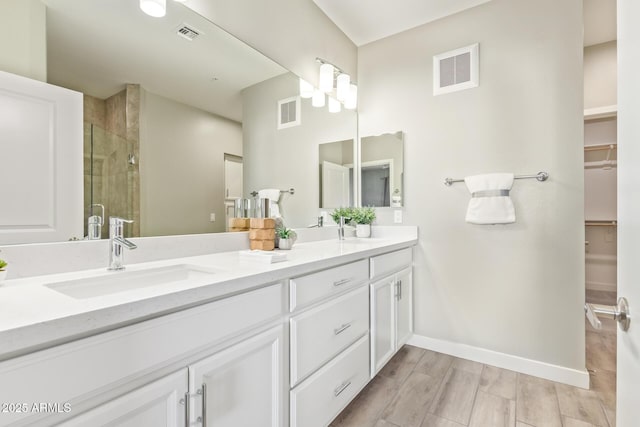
(316, 286)
(320, 398)
(59, 374)
(319, 334)
(391, 262)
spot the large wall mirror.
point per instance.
(168, 104)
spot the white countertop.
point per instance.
(34, 316)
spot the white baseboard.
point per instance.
(601, 286)
(561, 374)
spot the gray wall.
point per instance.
(600, 75)
(288, 157)
(23, 38)
(182, 167)
(516, 289)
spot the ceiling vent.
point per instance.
(188, 32)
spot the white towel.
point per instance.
(490, 202)
(273, 194)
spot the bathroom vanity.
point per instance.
(222, 341)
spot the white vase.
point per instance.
(285, 244)
(3, 275)
(363, 230)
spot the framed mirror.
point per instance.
(382, 170)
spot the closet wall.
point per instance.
(600, 157)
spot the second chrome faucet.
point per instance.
(117, 242)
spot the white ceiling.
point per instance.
(365, 21)
(98, 46)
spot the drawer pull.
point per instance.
(341, 282)
(342, 328)
(342, 387)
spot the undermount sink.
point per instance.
(118, 281)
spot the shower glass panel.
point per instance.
(109, 176)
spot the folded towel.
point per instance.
(273, 194)
(490, 202)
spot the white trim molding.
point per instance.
(561, 374)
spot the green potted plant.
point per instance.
(3, 270)
(286, 237)
(346, 213)
(363, 217)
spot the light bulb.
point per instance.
(318, 98)
(342, 86)
(352, 98)
(155, 8)
(306, 89)
(326, 78)
(334, 105)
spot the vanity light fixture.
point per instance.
(326, 77)
(155, 8)
(334, 105)
(342, 86)
(318, 99)
(306, 89)
(352, 98)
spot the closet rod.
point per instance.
(600, 147)
(601, 223)
(540, 176)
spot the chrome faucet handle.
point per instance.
(116, 220)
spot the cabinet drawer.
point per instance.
(319, 334)
(320, 398)
(391, 262)
(314, 287)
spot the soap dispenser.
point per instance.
(95, 222)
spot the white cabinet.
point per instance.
(242, 385)
(391, 306)
(161, 403)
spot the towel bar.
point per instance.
(540, 176)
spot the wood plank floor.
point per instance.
(422, 388)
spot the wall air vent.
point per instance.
(456, 70)
(289, 112)
(188, 32)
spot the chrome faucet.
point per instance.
(341, 229)
(117, 241)
(319, 224)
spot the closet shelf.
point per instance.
(601, 112)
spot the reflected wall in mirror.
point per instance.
(382, 170)
(162, 113)
(288, 158)
(336, 174)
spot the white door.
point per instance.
(160, 403)
(335, 185)
(243, 385)
(404, 307)
(383, 322)
(40, 161)
(233, 177)
(629, 208)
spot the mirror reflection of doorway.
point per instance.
(377, 179)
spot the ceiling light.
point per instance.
(352, 98)
(155, 8)
(342, 86)
(334, 105)
(318, 99)
(326, 78)
(306, 89)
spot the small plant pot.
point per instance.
(3, 275)
(285, 244)
(363, 230)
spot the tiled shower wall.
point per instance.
(113, 125)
